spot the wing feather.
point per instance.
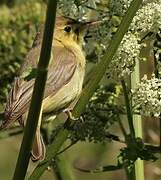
(60, 72)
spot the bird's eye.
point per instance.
(67, 29)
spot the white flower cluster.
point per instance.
(148, 18)
(124, 60)
(147, 96)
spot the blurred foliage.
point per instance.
(101, 112)
(18, 27)
(128, 155)
(10, 2)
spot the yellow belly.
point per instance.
(67, 94)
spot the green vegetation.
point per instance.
(17, 33)
(122, 100)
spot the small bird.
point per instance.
(64, 81)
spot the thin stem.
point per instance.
(98, 72)
(55, 171)
(64, 168)
(114, 137)
(12, 132)
(122, 128)
(100, 169)
(157, 76)
(139, 164)
(152, 148)
(38, 92)
(66, 148)
(130, 175)
(160, 131)
(149, 34)
(128, 109)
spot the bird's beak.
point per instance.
(81, 27)
(91, 24)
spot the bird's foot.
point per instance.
(69, 114)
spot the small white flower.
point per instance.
(147, 96)
(147, 19)
(124, 60)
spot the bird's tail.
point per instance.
(38, 148)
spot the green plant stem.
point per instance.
(157, 76)
(67, 147)
(139, 164)
(98, 72)
(35, 107)
(64, 168)
(128, 109)
(152, 148)
(52, 150)
(160, 131)
(11, 132)
(130, 175)
(122, 128)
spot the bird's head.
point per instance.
(68, 29)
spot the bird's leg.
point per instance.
(68, 112)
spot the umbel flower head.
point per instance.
(124, 60)
(147, 96)
(147, 19)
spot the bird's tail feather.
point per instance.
(38, 149)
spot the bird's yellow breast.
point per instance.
(74, 47)
(66, 95)
(69, 92)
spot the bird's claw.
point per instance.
(69, 114)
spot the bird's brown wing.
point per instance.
(60, 73)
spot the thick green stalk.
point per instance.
(128, 109)
(64, 168)
(139, 164)
(130, 175)
(98, 72)
(38, 92)
(61, 166)
(157, 76)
